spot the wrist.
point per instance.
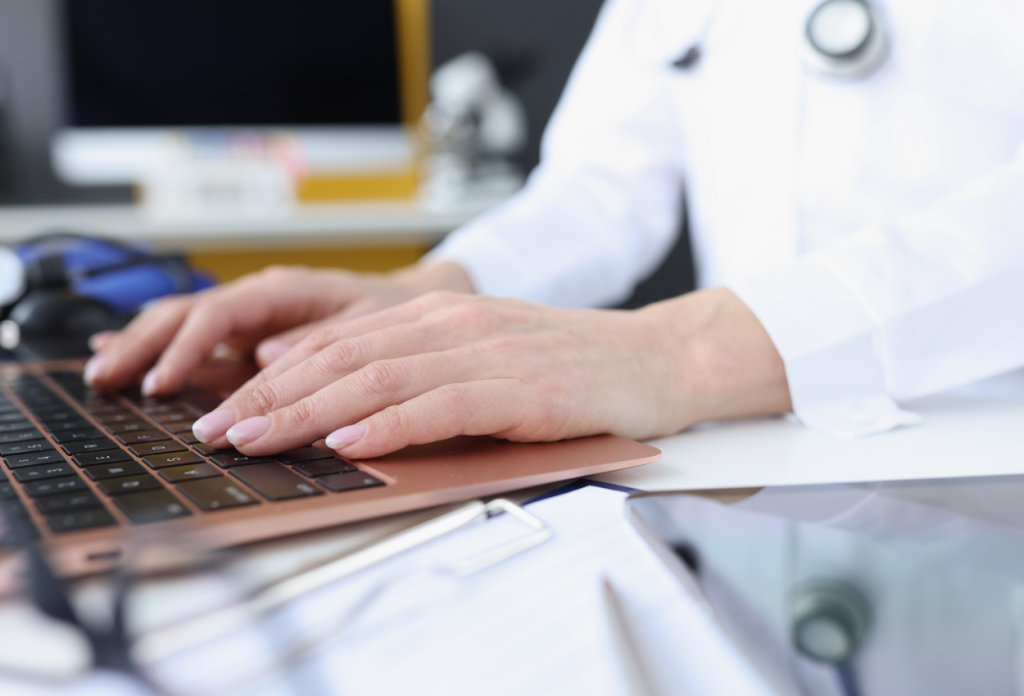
(723, 363)
(426, 277)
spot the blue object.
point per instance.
(121, 276)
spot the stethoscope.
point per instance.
(842, 40)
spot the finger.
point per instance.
(441, 330)
(334, 362)
(489, 407)
(320, 338)
(265, 303)
(134, 349)
(271, 349)
(371, 389)
(98, 340)
(274, 347)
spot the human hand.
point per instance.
(446, 364)
(267, 312)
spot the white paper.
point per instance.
(531, 625)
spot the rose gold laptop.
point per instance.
(81, 470)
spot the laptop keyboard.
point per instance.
(79, 458)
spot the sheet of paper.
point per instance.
(534, 624)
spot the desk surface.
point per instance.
(314, 225)
(960, 436)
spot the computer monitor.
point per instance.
(348, 79)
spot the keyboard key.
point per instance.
(62, 426)
(22, 424)
(350, 481)
(11, 416)
(105, 471)
(69, 501)
(203, 448)
(80, 519)
(40, 401)
(86, 446)
(188, 436)
(158, 405)
(217, 493)
(146, 448)
(187, 472)
(67, 436)
(20, 435)
(106, 457)
(132, 426)
(58, 413)
(129, 484)
(236, 459)
(184, 426)
(142, 436)
(121, 416)
(44, 471)
(102, 408)
(7, 491)
(275, 481)
(151, 506)
(303, 454)
(174, 416)
(158, 461)
(69, 484)
(322, 467)
(23, 447)
(16, 461)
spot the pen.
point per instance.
(635, 673)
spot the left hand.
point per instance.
(448, 364)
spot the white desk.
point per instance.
(961, 436)
(321, 225)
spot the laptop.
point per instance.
(85, 471)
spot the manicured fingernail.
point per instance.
(345, 436)
(273, 350)
(151, 383)
(248, 430)
(213, 424)
(94, 368)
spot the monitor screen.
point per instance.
(186, 63)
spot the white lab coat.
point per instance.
(876, 227)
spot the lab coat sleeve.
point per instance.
(601, 210)
(900, 310)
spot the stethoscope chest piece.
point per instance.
(844, 40)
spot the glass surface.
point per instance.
(897, 588)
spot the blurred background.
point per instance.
(240, 133)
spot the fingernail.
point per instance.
(345, 436)
(213, 424)
(248, 430)
(272, 351)
(151, 383)
(94, 368)
(95, 341)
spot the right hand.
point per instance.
(266, 312)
